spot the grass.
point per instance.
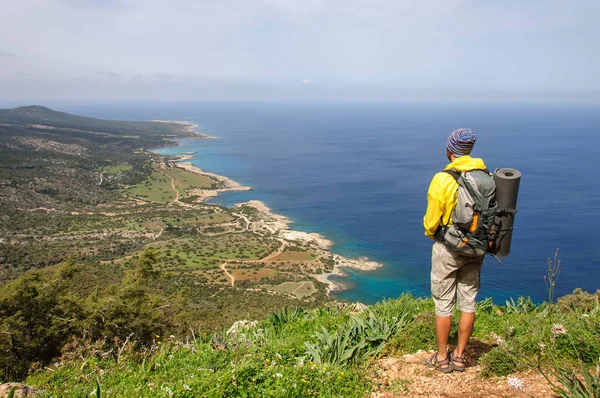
(273, 358)
(265, 360)
(299, 289)
(157, 188)
(116, 169)
(202, 252)
(185, 180)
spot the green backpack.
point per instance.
(472, 230)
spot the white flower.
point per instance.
(558, 329)
(278, 375)
(497, 338)
(515, 382)
(186, 387)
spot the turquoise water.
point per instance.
(358, 174)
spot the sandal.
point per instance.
(460, 360)
(433, 363)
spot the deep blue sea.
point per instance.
(358, 173)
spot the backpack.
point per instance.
(472, 231)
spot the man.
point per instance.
(454, 277)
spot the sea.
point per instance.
(358, 174)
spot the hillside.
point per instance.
(517, 350)
(117, 277)
(87, 194)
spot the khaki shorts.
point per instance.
(453, 276)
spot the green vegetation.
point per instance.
(157, 188)
(117, 169)
(184, 180)
(102, 291)
(328, 351)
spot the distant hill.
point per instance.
(40, 115)
(53, 159)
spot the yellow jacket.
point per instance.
(443, 194)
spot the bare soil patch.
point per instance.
(293, 256)
(246, 274)
(409, 377)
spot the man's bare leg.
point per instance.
(442, 331)
(465, 328)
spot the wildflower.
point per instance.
(542, 346)
(186, 387)
(278, 375)
(497, 338)
(516, 383)
(511, 329)
(558, 329)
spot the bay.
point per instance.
(358, 173)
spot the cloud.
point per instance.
(107, 74)
(354, 45)
(94, 3)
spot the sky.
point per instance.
(376, 50)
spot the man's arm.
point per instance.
(435, 207)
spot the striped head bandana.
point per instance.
(461, 142)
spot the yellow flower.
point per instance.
(159, 343)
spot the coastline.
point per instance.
(187, 127)
(276, 224)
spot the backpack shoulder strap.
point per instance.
(454, 173)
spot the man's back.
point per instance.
(442, 194)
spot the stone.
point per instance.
(21, 390)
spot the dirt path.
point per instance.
(302, 286)
(409, 377)
(277, 253)
(117, 260)
(176, 200)
(231, 278)
(243, 217)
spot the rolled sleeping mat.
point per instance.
(507, 189)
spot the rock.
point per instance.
(21, 390)
(417, 358)
(393, 364)
(237, 325)
(358, 307)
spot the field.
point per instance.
(298, 289)
(294, 256)
(116, 169)
(157, 188)
(185, 180)
(241, 274)
(204, 252)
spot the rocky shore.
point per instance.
(278, 225)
